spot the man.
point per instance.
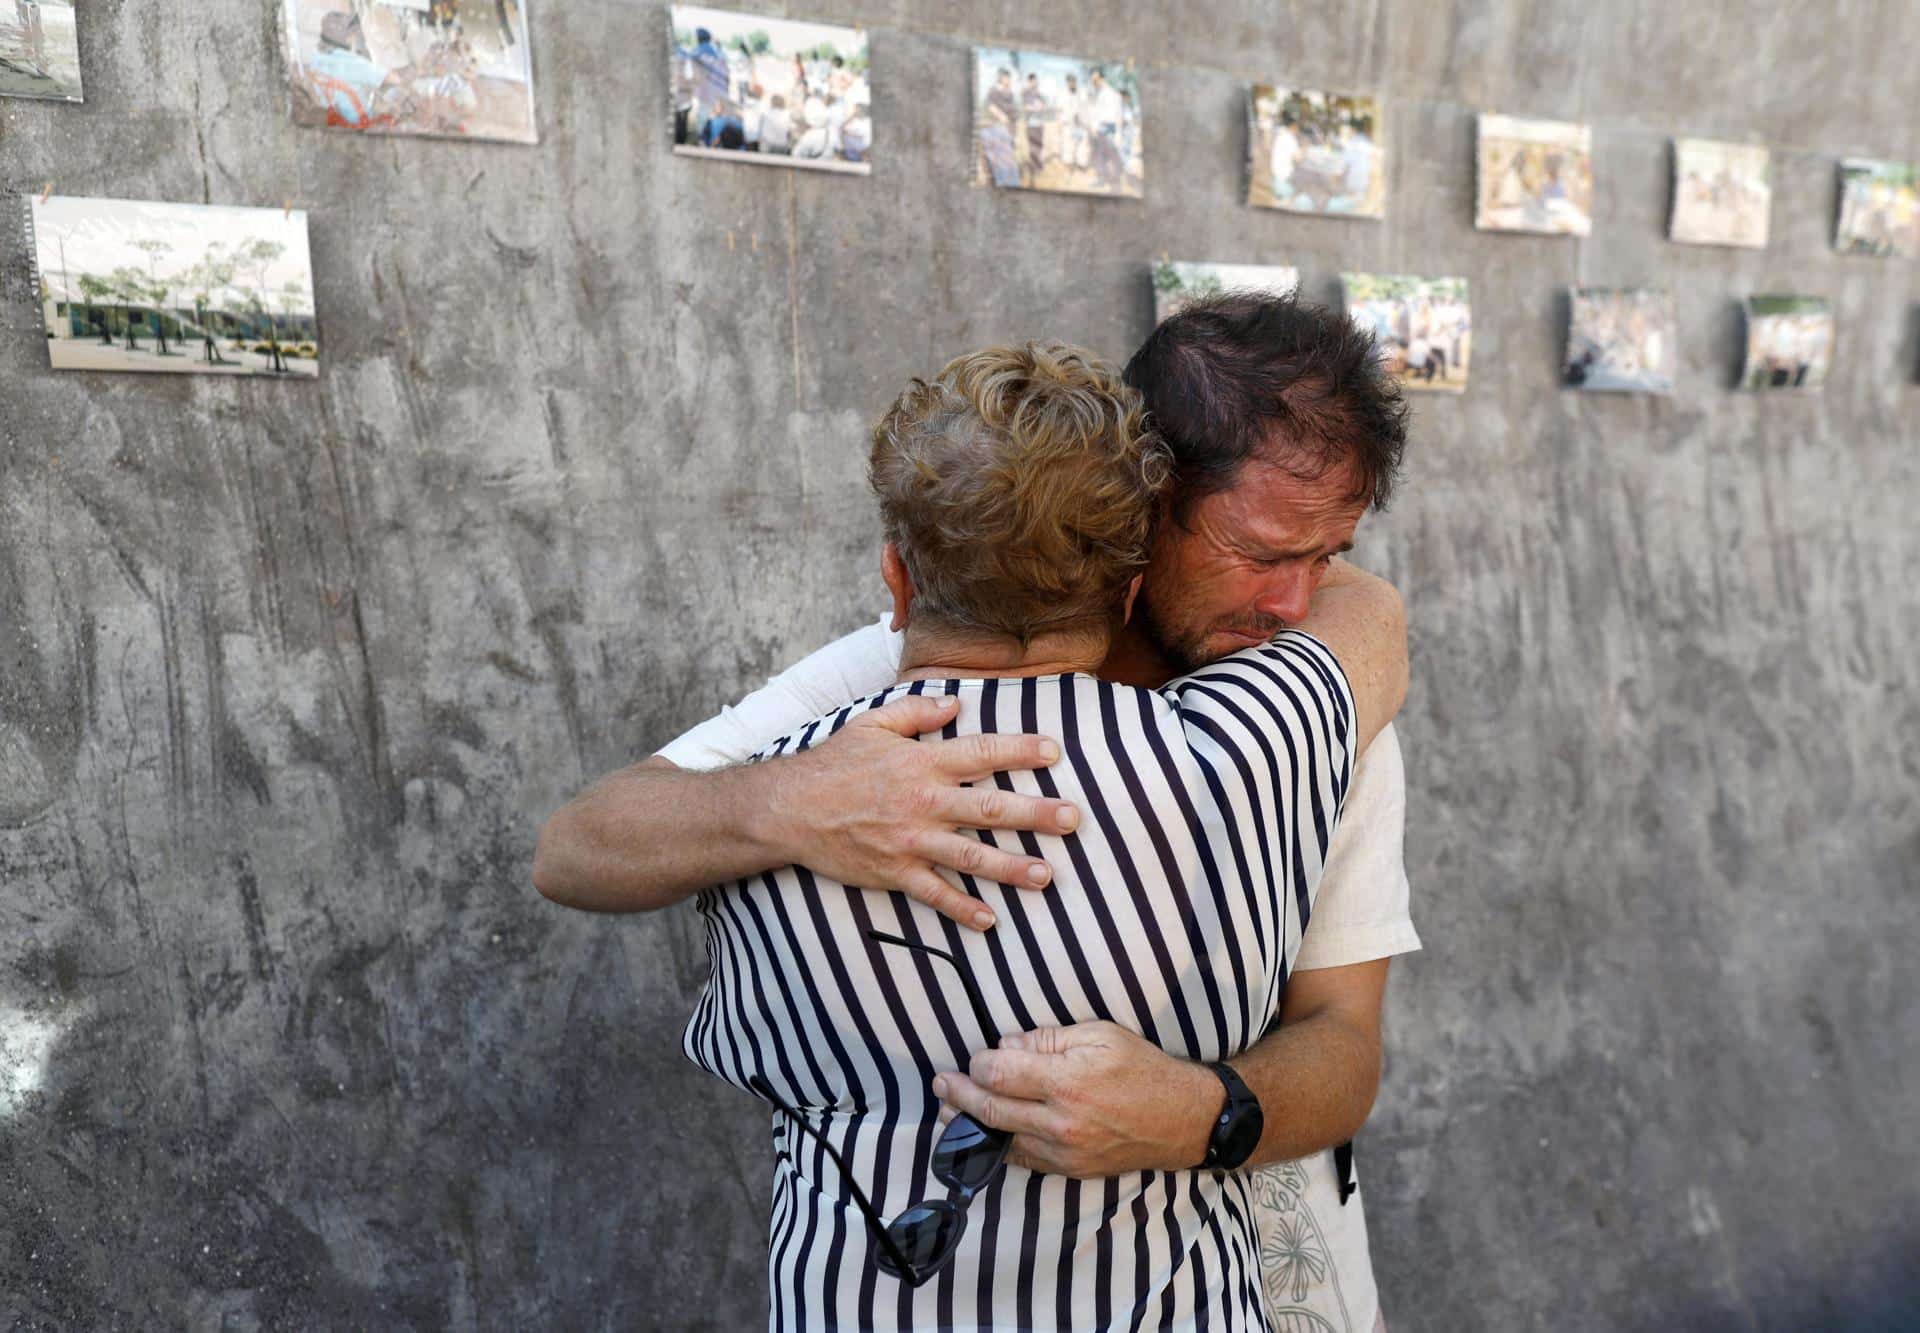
(1283, 429)
(821, 138)
(998, 113)
(1033, 109)
(1357, 152)
(856, 136)
(1281, 158)
(712, 77)
(776, 127)
(1018, 491)
(1110, 169)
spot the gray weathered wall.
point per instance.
(289, 674)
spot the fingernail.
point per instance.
(1049, 752)
(1014, 1041)
(940, 1088)
(1069, 819)
(1038, 875)
(983, 920)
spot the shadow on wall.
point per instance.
(180, 1145)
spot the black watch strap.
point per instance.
(1237, 1129)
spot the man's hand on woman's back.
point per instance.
(873, 807)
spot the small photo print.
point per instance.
(1722, 193)
(1314, 152)
(1049, 122)
(39, 50)
(1422, 327)
(185, 288)
(1535, 175)
(1177, 282)
(776, 92)
(1879, 209)
(449, 69)
(1621, 340)
(1789, 342)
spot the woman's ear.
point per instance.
(899, 582)
(1133, 591)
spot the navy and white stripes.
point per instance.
(1175, 911)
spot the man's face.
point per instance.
(1245, 564)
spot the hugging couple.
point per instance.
(1051, 914)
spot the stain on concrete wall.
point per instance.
(289, 674)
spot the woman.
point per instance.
(1018, 491)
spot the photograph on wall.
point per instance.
(1049, 122)
(451, 69)
(1621, 340)
(1422, 327)
(1176, 282)
(1534, 175)
(1314, 152)
(186, 288)
(1879, 209)
(39, 50)
(1722, 193)
(776, 92)
(1789, 342)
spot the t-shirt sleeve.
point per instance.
(860, 664)
(1361, 912)
(1272, 728)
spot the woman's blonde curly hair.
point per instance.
(1019, 486)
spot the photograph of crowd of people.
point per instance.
(1423, 327)
(777, 92)
(187, 288)
(1535, 175)
(1722, 194)
(39, 50)
(1176, 282)
(1622, 340)
(451, 69)
(1789, 342)
(1314, 152)
(1879, 209)
(1048, 122)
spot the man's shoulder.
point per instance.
(816, 731)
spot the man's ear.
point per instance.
(1133, 591)
(899, 582)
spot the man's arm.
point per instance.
(1094, 1099)
(1097, 1100)
(1361, 619)
(867, 807)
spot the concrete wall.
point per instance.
(289, 674)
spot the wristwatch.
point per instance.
(1237, 1131)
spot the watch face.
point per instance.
(1241, 1134)
(1236, 1133)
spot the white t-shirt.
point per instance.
(1314, 1253)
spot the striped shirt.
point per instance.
(1175, 911)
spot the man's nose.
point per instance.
(1287, 596)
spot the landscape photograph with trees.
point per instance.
(132, 285)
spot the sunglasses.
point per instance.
(921, 1241)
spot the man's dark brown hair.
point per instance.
(1244, 375)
